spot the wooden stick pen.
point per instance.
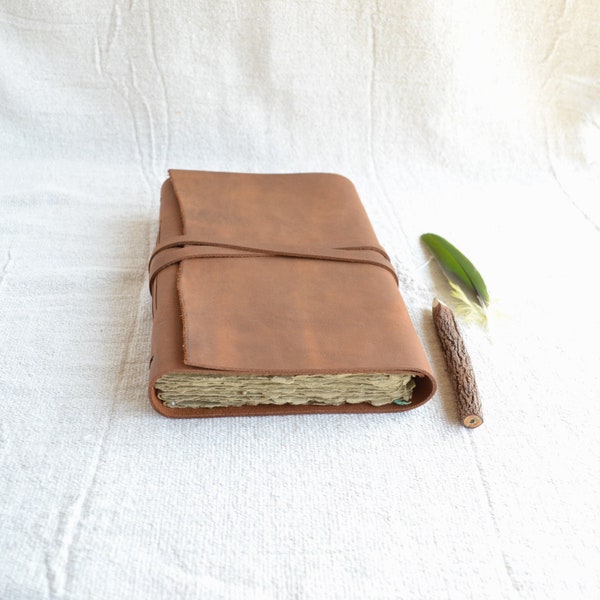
(459, 365)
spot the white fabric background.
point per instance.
(475, 120)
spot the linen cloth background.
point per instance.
(475, 120)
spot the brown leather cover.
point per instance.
(275, 275)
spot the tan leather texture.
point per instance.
(278, 274)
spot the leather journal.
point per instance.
(271, 296)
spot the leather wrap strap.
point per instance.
(183, 247)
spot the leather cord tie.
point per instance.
(182, 248)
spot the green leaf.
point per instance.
(457, 267)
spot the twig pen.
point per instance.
(459, 365)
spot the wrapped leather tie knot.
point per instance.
(184, 247)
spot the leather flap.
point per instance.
(286, 314)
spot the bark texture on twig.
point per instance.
(459, 365)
